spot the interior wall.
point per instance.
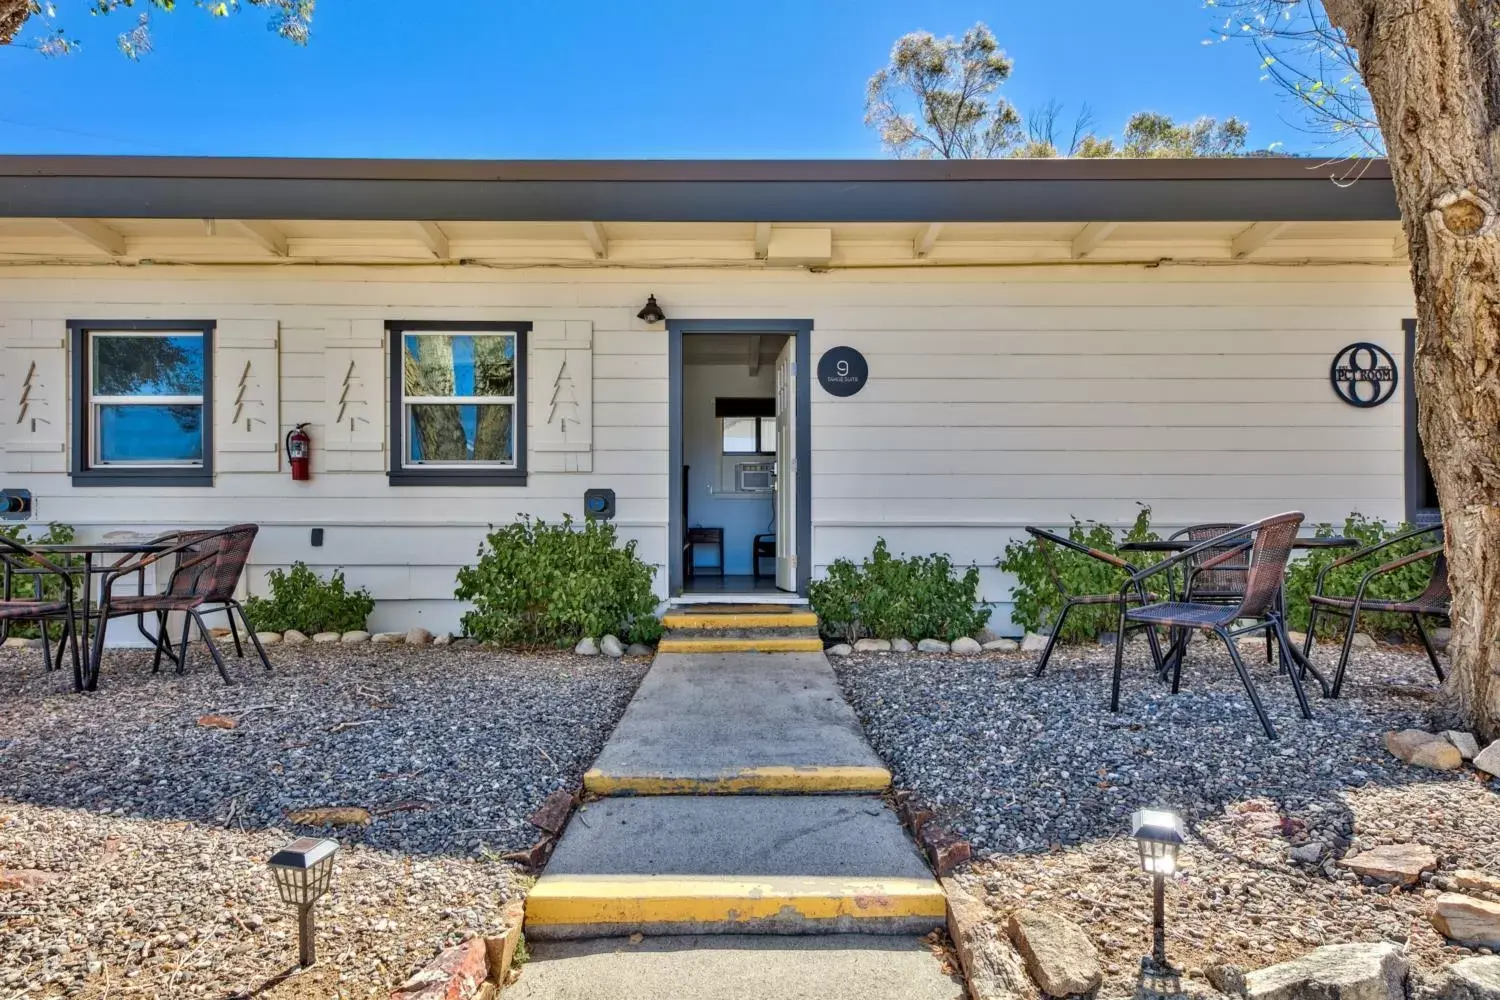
(741, 517)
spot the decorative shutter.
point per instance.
(247, 410)
(34, 395)
(560, 393)
(354, 383)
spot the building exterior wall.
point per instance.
(997, 397)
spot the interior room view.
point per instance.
(729, 461)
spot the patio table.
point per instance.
(85, 610)
(1310, 542)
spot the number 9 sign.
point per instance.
(842, 371)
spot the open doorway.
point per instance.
(740, 497)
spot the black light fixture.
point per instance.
(303, 870)
(1158, 834)
(651, 313)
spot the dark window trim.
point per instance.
(1417, 469)
(400, 476)
(80, 470)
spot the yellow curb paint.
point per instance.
(751, 780)
(801, 619)
(582, 900)
(770, 644)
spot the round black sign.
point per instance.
(1363, 374)
(843, 371)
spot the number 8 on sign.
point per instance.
(1363, 375)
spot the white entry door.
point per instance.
(786, 467)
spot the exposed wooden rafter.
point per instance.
(262, 234)
(434, 239)
(1255, 238)
(754, 355)
(594, 233)
(1090, 238)
(927, 239)
(762, 239)
(96, 234)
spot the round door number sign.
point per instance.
(843, 371)
(1363, 375)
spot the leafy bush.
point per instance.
(552, 584)
(25, 586)
(1408, 581)
(915, 598)
(301, 600)
(1036, 599)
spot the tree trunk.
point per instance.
(1433, 74)
(13, 14)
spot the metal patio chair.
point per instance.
(1224, 583)
(1434, 600)
(20, 561)
(1267, 545)
(208, 566)
(1047, 539)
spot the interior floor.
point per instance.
(708, 583)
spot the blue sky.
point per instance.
(597, 78)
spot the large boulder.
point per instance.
(1471, 979)
(1334, 972)
(1398, 864)
(990, 962)
(1422, 749)
(612, 647)
(932, 646)
(872, 646)
(1488, 759)
(1467, 745)
(1058, 953)
(1473, 923)
(965, 646)
(1033, 643)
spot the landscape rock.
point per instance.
(638, 649)
(1466, 878)
(1363, 640)
(16, 642)
(991, 964)
(1398, 864)
(327, 637)
(387, 638)
(1306, 854)
(872, 646)
(1058, 953)
(1334, 972)
(1033, 643)
(418, 636)
(841, 649)
(586, 647)
(331, 816)
(358, 635)
(1465, 743)
(1227, 978)
(455, 974)
(1471, 979)
(553, 813)
(901, 646)
(1422, 749)
(442, 639)
(1488, 759)
(931, 646)
(268, 638)
(1440, 638)
(293, 638)
(611, 647)
(21, 879)
(1002, 646)
(964, 646)
(985, 635)
(502, 947)
(1474, 923)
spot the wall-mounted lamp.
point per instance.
(652, 312)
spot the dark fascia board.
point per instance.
(1252, 189)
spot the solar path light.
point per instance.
(303, 870)
(1158, 834)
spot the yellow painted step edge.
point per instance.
(801, 619)
(581, 900)
(751, 780)
(766, 645)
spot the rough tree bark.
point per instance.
(13, 14)
(1433, 75)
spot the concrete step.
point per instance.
(723, 864)
(673, 643)
(738, 619)
(738, 723)
(732, 967)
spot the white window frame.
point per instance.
(95, 402)
(759, 442)
(407, 402)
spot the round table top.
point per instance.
(1182, 544)
(101, 548)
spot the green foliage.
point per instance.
(914, 598)
(1406, 582)
(1036, 598)
(25, 586)
(552, 584)
(291, 19)
(301, 600)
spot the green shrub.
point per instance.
(25, 586)
(552, 584)
(1406, 582)
(301, 600)
(1036, 601)
(914, 598)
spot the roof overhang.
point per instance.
(1271, 189)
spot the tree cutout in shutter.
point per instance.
(564, 400)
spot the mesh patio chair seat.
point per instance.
(207, 571)
(18, 560)
(1264, 546)
(1434, 601)
(1047, 540)
(1225, 581)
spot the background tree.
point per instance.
(291, 19)
(1429, 78)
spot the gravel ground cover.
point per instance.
(151, 830)
(1041, 777)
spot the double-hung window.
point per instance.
(747, 426)
(142, 395)
(458, 406)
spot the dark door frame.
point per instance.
(800, 331)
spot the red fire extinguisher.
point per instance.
(299, 453)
